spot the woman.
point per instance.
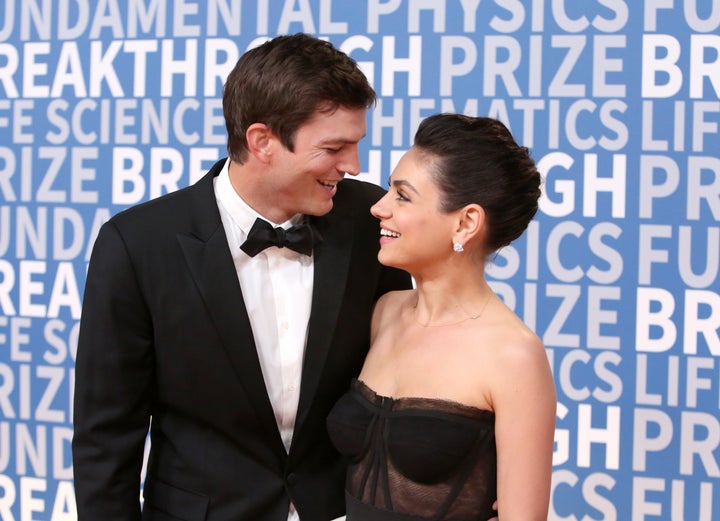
(455, 404)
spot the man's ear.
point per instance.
(259, 139)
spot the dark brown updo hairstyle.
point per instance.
(283, 82)
(476, 160)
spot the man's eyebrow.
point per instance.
(343, 140)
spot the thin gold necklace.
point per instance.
(474, 316)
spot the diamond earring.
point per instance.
(457, 247)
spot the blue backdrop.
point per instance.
(107, 103)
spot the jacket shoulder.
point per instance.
(173, 206)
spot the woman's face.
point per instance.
(414, 233)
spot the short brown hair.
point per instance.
(283, 82)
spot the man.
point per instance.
(236, 350)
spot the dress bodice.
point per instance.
(414, 458)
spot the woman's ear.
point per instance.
(259, 138)
(470, 224)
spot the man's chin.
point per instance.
(320, 209)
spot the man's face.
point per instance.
(326, 148)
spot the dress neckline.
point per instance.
(443, 405)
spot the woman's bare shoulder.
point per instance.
(392, 302)
(388, 309)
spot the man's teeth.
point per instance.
(388, 233)
(329, 185)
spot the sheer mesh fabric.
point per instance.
(420, 457)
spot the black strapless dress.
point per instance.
(414, 459)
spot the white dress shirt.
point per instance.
(277, 289)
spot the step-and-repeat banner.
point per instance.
(107, 103)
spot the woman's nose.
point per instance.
(379, 209)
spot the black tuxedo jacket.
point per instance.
(165, 338)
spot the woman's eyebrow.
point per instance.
(402, 182)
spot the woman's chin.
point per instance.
(388, 260)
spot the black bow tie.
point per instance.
(299, 238)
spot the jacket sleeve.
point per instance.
(112, 402)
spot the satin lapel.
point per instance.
(331, 264)
(208, 257)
